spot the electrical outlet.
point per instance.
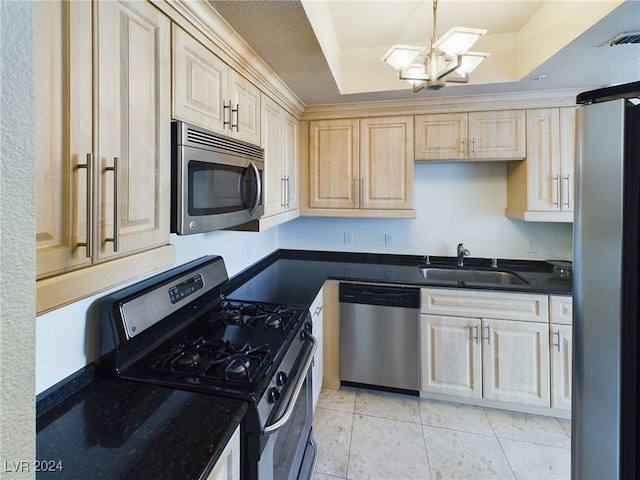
(348, 238)
(389, 240)
(532, 245)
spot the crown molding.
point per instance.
(204, 23)
(468, 103)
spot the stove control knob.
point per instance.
(281, 378)
(274, 394)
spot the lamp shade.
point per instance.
(401, 56)
(458, 40)
(470, 61)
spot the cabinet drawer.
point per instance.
(561, 309)
(485, 304)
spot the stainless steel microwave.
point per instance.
(216, 181)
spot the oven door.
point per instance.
(289, 451)
(215, 190)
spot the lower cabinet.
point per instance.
(228, 465)
(485, 358)
(495, 346)
(316, 373)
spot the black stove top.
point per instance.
(231, 347)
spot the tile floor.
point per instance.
(364, 434)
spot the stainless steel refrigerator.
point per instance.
(605, 333)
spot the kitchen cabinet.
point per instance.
(103, 150)
(317, 371)
(494, 135)
(362, 167)
(228, 465)
(561, 318)
(280, 143)
(209, 93)
(489, 345)
(542, 187)
(451, 355)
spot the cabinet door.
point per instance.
(63, 101)
(228, 465)
(498, 135)
(133, 95)
(291, 161)
(334, 167)
(543, 147)
(274, 157)
(567, 157)
(386, 163)
(516, 362)
(441, 136)
(200, 84)
(561, 352)
(451, 355)
(245, 109)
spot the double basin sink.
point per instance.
(470, 276)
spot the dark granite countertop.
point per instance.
(113, 428)
(296, 276)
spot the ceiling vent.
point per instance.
(625, 38)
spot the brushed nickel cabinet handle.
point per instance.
(557, 334)
(288, 197)
(283, 193)
(362, 192)
(556, 188)
(567, 191)
(226, 107)
(464, 147)
(353, 191)
(237, 112)
(473, 147)
(88, 244)
(476, 334)
(488, 334)
(116, 218)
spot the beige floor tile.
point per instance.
(332, 432)
(343, 399)
(532, 461)
(388, 405)
(322, 476)
(528, 428)
(384, 449)
(454, 455)
(566, 425)
(456, 416)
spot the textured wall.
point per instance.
(17, 242)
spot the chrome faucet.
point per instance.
(462, 252)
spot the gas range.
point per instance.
(178, 330)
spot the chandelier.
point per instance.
(448, 59)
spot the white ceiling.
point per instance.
(329, 51)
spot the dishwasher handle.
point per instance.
(379, 295)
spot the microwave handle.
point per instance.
(256, 204)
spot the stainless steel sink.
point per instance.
(465, 275)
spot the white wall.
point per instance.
(455, 202)
(17, 241)
(67, 339)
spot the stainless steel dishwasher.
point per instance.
(380, 337)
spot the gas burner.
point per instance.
(253, 315)
(221, 360)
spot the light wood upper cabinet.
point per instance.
(63, 97)
(361, 165)
(495, 135)
(280, 143)
(542, 187)
(386, 163)
(208, 93)
(133, 127)
(102, 87)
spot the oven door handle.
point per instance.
(296, 390)
(256, 172)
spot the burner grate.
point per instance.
(221, 360)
